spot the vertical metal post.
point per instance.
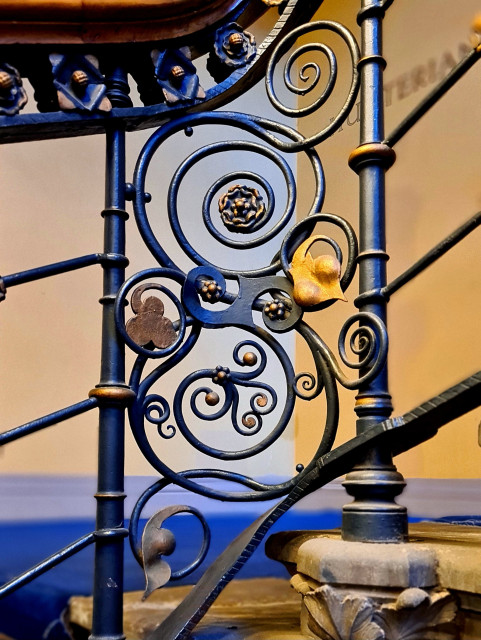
(113, 395)
(374, 482)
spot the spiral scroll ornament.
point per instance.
(310, 75)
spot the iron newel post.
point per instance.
(112, 393)
(374, 482)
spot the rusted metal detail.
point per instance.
(79, 83)
(315, 280)
(113, 395)
(177, 76)
(149, 326)
(373, 151)
(12, 94)
(242, 209)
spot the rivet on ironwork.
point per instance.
(221, 375)
(315, 280)
(149, 327)
(249, 359)
(212, 398)
(188, 131)
(209, 291)
(12, 94)
(242, 209)
(176, 75)
(130, 193)
(79, 83)
(299, 468)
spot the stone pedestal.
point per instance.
(427, 588)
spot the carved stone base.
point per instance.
(426, 589)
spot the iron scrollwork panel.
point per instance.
(263, 302)
(171, 307)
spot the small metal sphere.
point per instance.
(188, 131)
(212, 398)
(249, 359)
(177, 72)
(212, 287)
(299, 468)
(221, 375)
(236, 40)
(80, 78)
(6, 81)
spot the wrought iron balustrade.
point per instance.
(82, 88)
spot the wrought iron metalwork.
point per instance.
(84, 91)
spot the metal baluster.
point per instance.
(113, 395)
(374, 482)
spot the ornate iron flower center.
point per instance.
(242, 209)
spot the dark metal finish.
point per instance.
(12, 94)
(48, 421)
(433, 96)
(63, 267)
(45, 565)
(108, 580)
(397, 434)
(431, 256)
(374, 516)
(79, 83)
(233, 391)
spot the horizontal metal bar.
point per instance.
(47, 421)
(45, 565)
(439, 250)
(430, 100)
(60, 267)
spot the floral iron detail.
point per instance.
(233, 48)
(12, 94)
(242, 209)
(210, 291)
(79, 83)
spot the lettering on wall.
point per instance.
(417, 78)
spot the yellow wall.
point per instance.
(52, 193)
(434, 186)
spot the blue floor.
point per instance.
(33, 612)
